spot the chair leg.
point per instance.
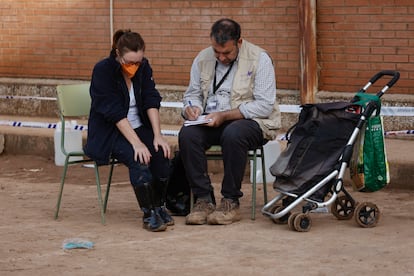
(264, 176)
(98, 187)
(108, 186)
(253, 217)
(62, 183)
(191, 201)
(254, 184)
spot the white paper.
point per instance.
(201, 120)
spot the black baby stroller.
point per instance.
(310, 170)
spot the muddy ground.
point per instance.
(31, 240)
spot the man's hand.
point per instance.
(218, 118)
(192, 112)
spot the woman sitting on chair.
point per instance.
(124, 124)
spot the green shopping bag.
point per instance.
(369, 166)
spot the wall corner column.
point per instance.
(308, 51)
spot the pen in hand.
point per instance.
(193, 112)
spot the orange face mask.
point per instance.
(130, 69)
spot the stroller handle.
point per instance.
(394, 74)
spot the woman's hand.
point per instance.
(141, 153)
(159, 141)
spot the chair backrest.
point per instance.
(74, 99)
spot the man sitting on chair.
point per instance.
(233, 82)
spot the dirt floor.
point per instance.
(31, 240)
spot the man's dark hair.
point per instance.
(224, 30)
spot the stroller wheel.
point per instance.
(367, 214)
(291, 221)
(302, 223)
(282, 220)
(343, 208)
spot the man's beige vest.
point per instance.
(243, 83)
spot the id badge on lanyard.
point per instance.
(212, 104)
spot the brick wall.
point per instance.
(177, 30)
(52, 38)
(64, 39)
(357, 38)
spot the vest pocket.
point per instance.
(271, 124)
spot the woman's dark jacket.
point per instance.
(110, 104)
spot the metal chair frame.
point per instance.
(74, 102)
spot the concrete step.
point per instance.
(401, 161)
(37, 97)
(40, 142)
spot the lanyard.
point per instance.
(217, 86)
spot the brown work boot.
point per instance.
(202, 208)
(227, 213)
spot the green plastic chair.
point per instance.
(214, 153)
(74, 102)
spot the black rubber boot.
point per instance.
(160, 194)
(152, 221)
